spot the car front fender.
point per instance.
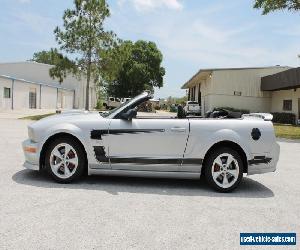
(66, 128)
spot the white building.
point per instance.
(27, 85)
(265, 89)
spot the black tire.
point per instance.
(79, 171)
(209, 165)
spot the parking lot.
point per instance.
(131, 213)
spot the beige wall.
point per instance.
(218, 89)
(20, 95)
(49, 96)
(205, 88)
(279, 96)
(67, 99)
(253, 104)
(5, 103)
(247, 81)
(39, 72)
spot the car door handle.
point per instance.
(177, 129)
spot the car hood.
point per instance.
(38, 128)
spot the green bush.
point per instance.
(284, 118)
(164, 107)
(146, 107)
(173, 108)
(99, 105)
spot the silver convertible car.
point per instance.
(121, 143)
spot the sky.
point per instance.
(191, 34)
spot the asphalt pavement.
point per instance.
(131, 213)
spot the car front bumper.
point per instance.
(31, 153)
(266, 163)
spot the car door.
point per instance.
(147, 144)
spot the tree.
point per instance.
(62, 64)
(132, 68)
(272, 5)
(84, 36)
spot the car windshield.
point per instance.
(133, 100)
(105, 114)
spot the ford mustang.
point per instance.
(120, 142)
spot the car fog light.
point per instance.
(30, 149)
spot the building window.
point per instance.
(287, 105)
(6, 92)
(32, 98)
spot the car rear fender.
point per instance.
(225, 135)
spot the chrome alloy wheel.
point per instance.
(225, 170)
(63, 160)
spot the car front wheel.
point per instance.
(65, 160)
(224, 169)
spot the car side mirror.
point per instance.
(129, 115)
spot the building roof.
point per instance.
(203, 73)
(289, 79)
(39, 72)
(38, 83)
(27, 62)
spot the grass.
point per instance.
(287, 131)
(36, 117)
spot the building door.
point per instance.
(6, 103)
(32, 98)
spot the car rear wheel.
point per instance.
(65, 160)
(224, 169)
